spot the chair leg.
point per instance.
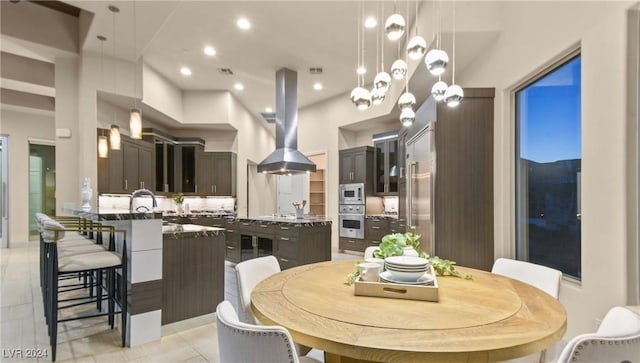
(53, 313)
(543, 356)
(123, 301)
(98, 287)
(111, 288)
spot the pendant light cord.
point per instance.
(135, 59)
(453, 72)
(382, 36)
(358, 65)
(406, 55)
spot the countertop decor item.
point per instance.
(86, 193)
(178, 198)
(397, 244)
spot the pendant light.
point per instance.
(360, 96)
(114, 137)
(135, 114)
(382, 81)
(407, 116)
(103, 147)
(417, 46)
(399, 67)
(377, 94)
(407, 100)
(394, 26)
(454, 93)
(437, 59)
(438, 90)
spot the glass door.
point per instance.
(4, 194)
(42, 184)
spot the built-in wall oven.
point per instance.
(352, 221)
(352, 193)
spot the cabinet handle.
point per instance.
(196, 188)
(211, 188)
(231, 248)
(283, 259)
(284, 238)
(284, 227)
(215, 188)
(166, 187)
(126, 185)
(375, 227)
(350, 241)
(263, 226)
(230, 231)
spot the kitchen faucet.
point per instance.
(138, 193)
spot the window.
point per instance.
(548, 161)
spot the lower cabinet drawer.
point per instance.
(286, 247)
(352, 244)
(374, 243)
(285, 262)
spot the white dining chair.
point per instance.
(616, 340)
(368, 252)
(242, 342)
(250, 273)
(544, 278)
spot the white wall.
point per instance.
(159, 93)
(536, 33)
(22, 126)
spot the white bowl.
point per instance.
(406, 276)
(407, 261)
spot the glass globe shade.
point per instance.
(382, 81)
(417, 47)
(436, 61)
(407, 116)
(438, 90)
(453, 95)
(399, 69)
(377, 96)
(407, 100)
(394, 26)
(361, 98)
(103, 147)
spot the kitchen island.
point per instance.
(174, 271)
(292, 241)
(192, 270)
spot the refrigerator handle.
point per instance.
(5, 202)
(410, 172)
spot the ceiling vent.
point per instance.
(315, 70)
(225, 71)
(270, 117)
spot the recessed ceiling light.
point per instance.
(317, 86)
(361, 70)
(185, 71)
(208, 50)
(238, 86)
(371, 22)
(268, 110)
(243, 23)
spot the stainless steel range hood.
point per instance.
(286, 159)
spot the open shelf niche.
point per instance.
(316, 193)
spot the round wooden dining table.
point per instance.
(484, 319)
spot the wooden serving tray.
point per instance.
(399, 291)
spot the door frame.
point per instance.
(4, 189)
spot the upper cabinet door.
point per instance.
(131, 177)
(146, 165)
(346, 167)
(222, 174)
(360, 167)
(204, 173)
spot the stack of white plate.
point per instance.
(405, 269)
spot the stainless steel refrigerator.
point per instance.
(420, 166)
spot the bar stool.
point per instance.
(57, 263)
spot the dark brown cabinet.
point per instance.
(356, 165)
(130, 168)
(375, 229)
(292, 244)
(138, 165)
(216, 173)
(187, 167)
(386, 167)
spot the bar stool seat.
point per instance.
(64, 251)
(88, 261)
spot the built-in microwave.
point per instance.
(352, 193)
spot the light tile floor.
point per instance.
(22, 324)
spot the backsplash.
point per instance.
(390, 205)
(210, 204)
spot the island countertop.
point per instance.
(105, 214)
(307, 220)
(179, 231)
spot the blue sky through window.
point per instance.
(549, 115)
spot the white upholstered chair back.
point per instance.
(250, 273)
(247, 343)
(368, 252)
(617, 340)
(544, 278)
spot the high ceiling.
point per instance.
(295, 34)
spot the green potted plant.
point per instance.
(178, 198)
(395, 244)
